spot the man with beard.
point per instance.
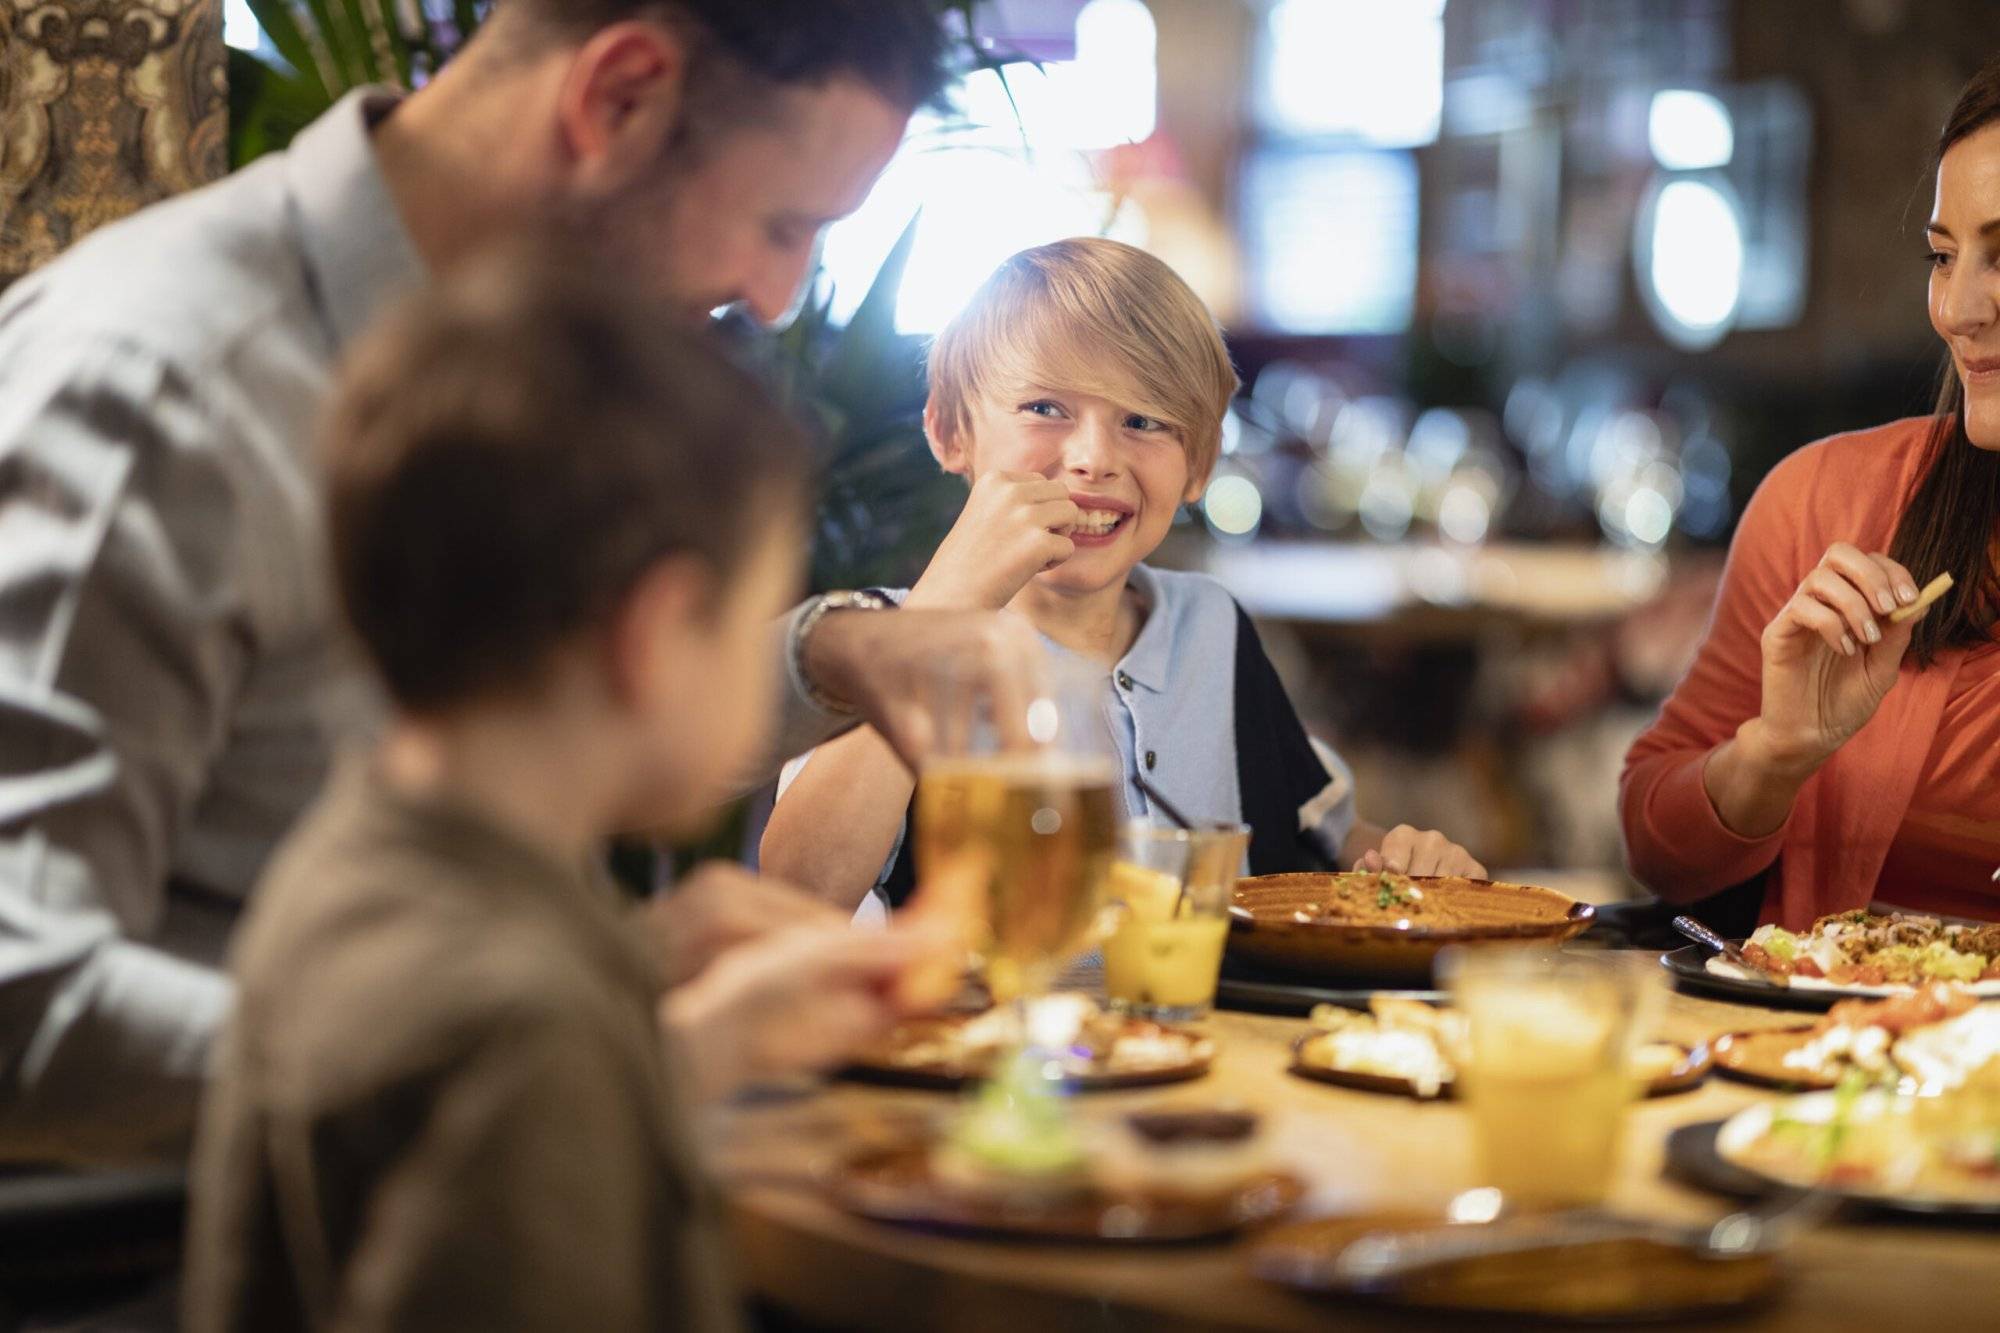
(171, 687)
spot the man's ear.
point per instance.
(947, 443)
(621, 103)
(654, 624)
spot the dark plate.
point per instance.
(1617, 1281)
(1693, 1159)
(880, 1068)
(1691, 974)
(1691, 1071)
(895, 1184)
(1261, 994)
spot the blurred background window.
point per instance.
(1009, 164)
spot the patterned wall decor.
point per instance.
(105, 106)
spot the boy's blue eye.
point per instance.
(1042, 407)
(1137, 422)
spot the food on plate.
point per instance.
(1867, 1036)
(1396, 1038)
(1102, 1044)
(1021, 1143)
(1943, 1148)
(1199, 1153)
(1372, 897)
(1418, 1044)
(1866, 949)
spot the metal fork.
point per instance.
(1387, 1257)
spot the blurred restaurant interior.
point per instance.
(1526, 296)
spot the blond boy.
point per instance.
(1082, 393)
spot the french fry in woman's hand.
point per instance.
(1933, 590)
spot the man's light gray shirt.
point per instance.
(172, 683)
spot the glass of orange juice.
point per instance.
(1546, 1071)
(1167, 917)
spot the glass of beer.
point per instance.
(1016, 825)
(1167, 916)
(1547, 1068)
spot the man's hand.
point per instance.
(793, 1001)
(719, 907)
(1014, 526)
(885, 665)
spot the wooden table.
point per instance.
(1360, 1151)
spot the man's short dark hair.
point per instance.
(897, 47)
(512, 449)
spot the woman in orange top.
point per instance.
(1816, 745)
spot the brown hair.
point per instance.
(1948, 525)
(1091, 316)
(509, 451)
(897, 47)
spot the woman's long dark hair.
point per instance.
(1948, 526)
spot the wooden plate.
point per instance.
(1687, 1073)
(1759, 1058)
(888, 1064)
(1619, 1280)
(896, 1184)
(1266, 926)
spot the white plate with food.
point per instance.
(1925, 1154)
(1026, 1165)
(1849, 954)
(1929, 1038)
(1108, 1050)
(1403, 1047)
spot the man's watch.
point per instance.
(865, 599)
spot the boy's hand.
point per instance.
(720, 906)
(792, 1001)
(1014, 526)
(1410, 851)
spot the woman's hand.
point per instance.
(1831, 655)
(1014, 526)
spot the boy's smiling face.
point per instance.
(1126, 471)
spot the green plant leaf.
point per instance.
(267, 106)
(280, 23)
(465, 17)
(869, 356)
(387, 19)
(343, 73)
(361, 37)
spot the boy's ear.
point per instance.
(947, 445)
(648, 636)
(1197, 485)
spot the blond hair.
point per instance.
(1096, 317)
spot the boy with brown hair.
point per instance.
(1082, 393)
(560, 527)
